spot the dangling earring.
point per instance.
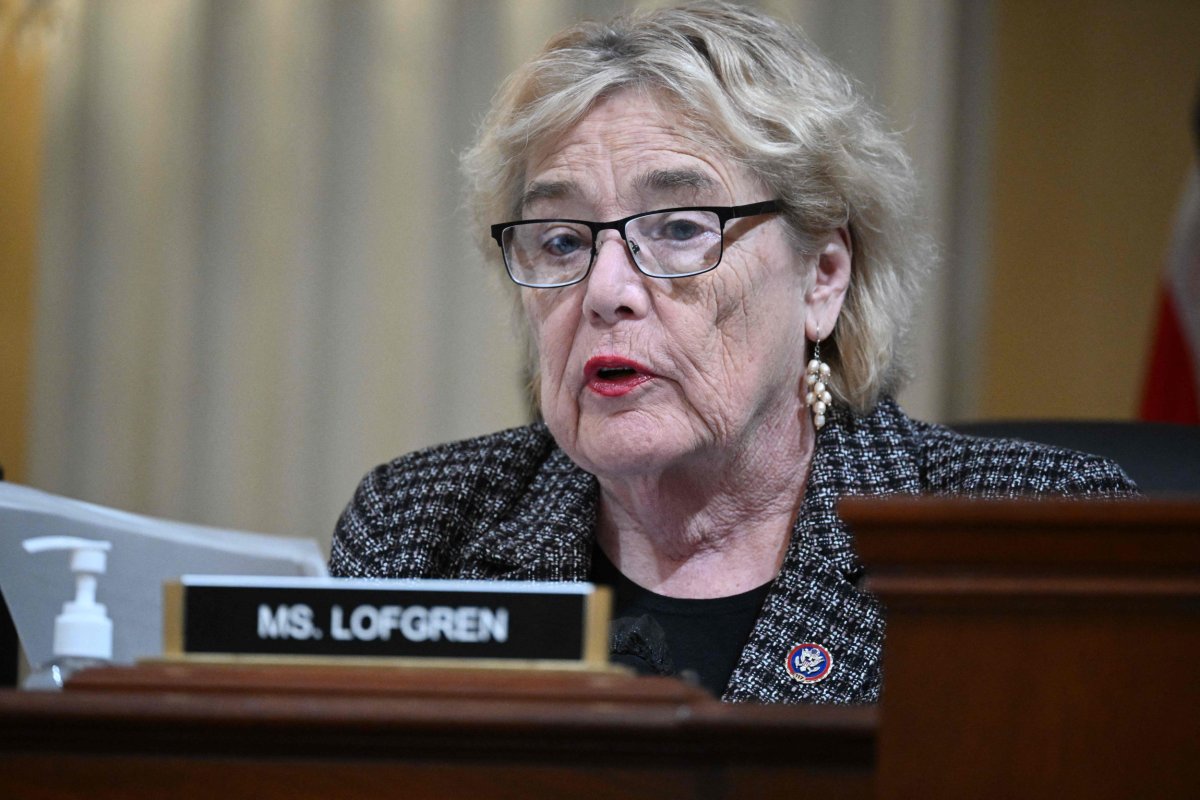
(816, 375)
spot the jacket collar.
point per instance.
(547, 533)
(873, 454)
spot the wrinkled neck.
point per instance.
(717, 524)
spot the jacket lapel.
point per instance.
(816, 599)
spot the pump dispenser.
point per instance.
(83, 631)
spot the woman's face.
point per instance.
(717, 359)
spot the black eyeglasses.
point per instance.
(668, 243)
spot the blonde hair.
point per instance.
(762, 95)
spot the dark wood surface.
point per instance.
(362, 732)
(1036, 650)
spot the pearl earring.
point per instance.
(816, 375)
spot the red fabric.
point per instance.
(1170, 393)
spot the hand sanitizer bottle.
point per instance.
(83, 631)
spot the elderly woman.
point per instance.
(714, 242)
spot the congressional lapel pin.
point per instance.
(809, 663)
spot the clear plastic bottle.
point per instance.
(83, 631)
(51, 676)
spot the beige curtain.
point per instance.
(254, 284)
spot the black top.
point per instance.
(676, 636)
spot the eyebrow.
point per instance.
(659, 180)
(669, 179)
(546, 190)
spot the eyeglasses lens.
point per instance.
(663, 244)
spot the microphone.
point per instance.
(641, 643)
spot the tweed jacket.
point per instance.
(512, 506)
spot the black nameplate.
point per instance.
(324, 617)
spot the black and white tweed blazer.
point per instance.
(512, 506)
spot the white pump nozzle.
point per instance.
(83, 629)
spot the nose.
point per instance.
(616, 290)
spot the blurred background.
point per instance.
(233, 276)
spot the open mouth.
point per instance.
(612, 376)
(615, 373)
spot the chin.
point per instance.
(627, 446)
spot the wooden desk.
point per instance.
(205, 732)
(1034, 650)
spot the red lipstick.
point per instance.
(613, 376)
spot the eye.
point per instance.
(680, 227)
(680, 230)
(563, 244)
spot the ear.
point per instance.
(828, 290)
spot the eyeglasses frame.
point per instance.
(724, 215)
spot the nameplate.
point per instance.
(426, 620)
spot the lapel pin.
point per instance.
(809, 663)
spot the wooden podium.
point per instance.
(1033, 650)
(1036, 650)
